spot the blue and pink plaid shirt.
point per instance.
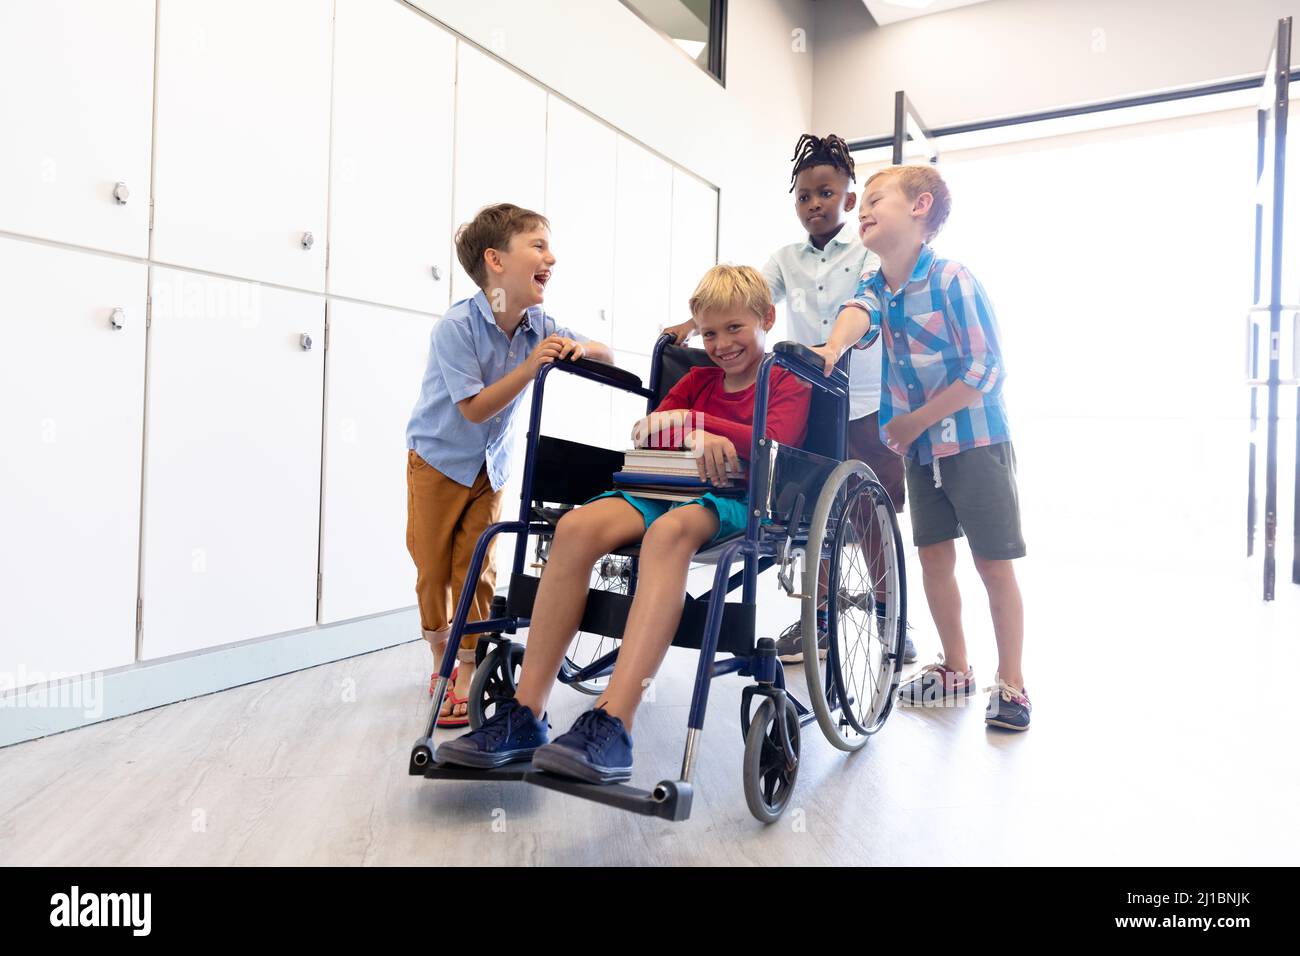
(937, 330)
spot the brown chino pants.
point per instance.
(444, 520)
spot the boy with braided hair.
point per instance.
(815, 276)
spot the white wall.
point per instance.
(1007, 57)
(603, 57)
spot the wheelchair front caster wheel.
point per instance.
(771, 761)
(495, 680)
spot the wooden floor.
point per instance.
(1166, 737)
(1165, 732)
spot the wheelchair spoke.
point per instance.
(853, 538)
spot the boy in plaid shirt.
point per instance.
(942, 410)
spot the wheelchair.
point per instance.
(825, 523)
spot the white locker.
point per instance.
(232, 464)
(695, 240)
(500, 144)
(390, 176)
(72, 387)
(576, 409)
(242, 138)
(580, 178)
(628, 408)
(642, 239)
(505, 543)
(375, 364)
(76, 97)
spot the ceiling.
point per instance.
(891, 11)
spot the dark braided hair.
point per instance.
(821, 151)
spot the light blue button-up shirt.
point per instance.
(467, 352)
(816, 283)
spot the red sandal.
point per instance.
(452, 719)
(433, 679)
(466, 656)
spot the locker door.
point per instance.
(243, 138)
(72, 386)
(375, 364)
(390, 178)
(500, 143)
(642, 236)
(628, 408)
(580, 185)
(76, 95)
(695, 239)
(232, 464)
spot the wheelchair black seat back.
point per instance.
(807, 506)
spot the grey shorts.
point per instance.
(976, 497)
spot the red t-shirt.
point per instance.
(731, 414)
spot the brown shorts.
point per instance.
(444, 520)
(865, 445)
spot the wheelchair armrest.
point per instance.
(810, 361)
(603, 372)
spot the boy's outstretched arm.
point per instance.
(482, 405)
(853, 322)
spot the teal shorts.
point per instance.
(731, 512)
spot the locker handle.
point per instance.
(117, 319)
(308, 240)
(305, 341)
(437, 273)
(121, 193)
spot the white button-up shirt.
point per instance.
(815, 284)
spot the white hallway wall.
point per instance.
(1006, 57)
(602, 56)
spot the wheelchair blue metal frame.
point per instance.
(756, 550)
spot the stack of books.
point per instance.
(671, 475)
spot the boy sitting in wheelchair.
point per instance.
(709, 411)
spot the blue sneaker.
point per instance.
(597, 749)
(511, 734)
(1008, 708)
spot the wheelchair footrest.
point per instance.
(669, 800)
(446, 771)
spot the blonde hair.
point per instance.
(726, 287)
(914, 180)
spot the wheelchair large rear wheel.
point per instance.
(854, 568)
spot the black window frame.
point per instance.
(717, 45)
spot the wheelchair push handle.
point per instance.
(604, 371)
(806, 356)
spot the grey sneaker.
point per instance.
(789, 646)
(909, 649)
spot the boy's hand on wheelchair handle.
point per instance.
(828, 356)
(680, 332)
(555, 348)
(715, 456)
(547, 351)
(570, 349)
